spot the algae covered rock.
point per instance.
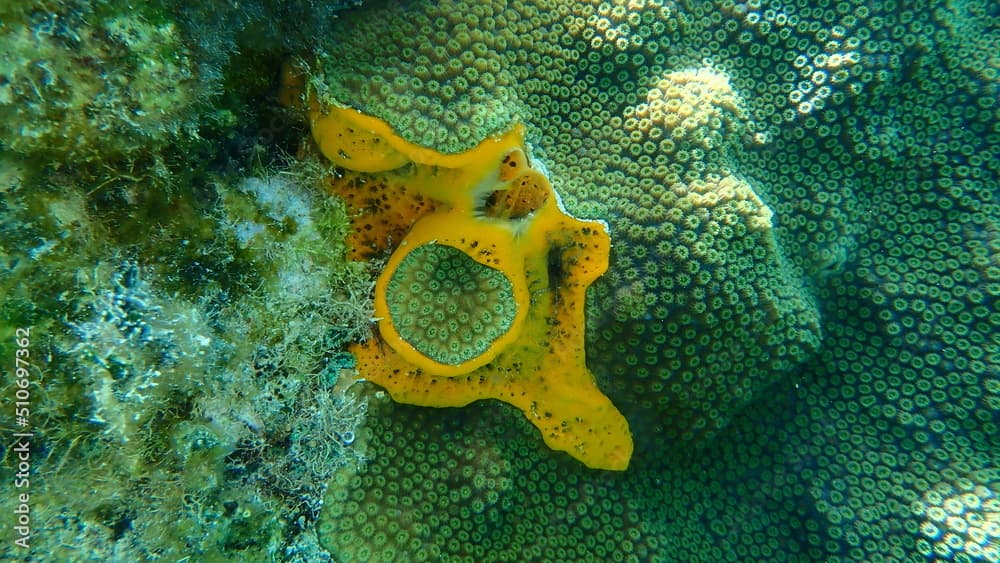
(187, 296)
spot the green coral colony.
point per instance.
(799, 319)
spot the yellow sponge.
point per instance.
(483, 294)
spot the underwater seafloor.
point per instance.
(798, 319)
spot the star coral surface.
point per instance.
(798, 312)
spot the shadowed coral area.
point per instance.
(457, 492)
